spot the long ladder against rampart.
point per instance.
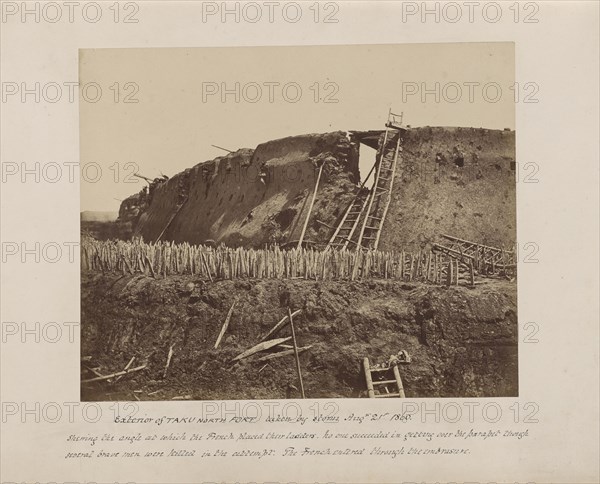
(363, 220)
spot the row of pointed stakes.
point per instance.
(168, 258)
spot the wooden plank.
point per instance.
(312, 202)
(113, 375)
(170, 220)
(279, 326)
(280, 354)
(94, 371)
(126, 368)
(471, 274)
(296, 220)
(265, 345)
(296, 351)
(225, 324)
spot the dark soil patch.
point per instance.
(463, 341)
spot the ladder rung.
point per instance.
(387, 395)
(373, 216)
(380, 369)
(368, 238)
(384, 382)
(371, 228)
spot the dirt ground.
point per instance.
(463, 341)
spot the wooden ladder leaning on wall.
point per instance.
(368, 209)
(381, 193)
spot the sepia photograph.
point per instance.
(299, 222)
(327, 241)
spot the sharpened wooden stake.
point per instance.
(471, 273)
(150, 265)
(169, 356)
(127, 264)
(225, 324)
(206, 266)
(296, 351)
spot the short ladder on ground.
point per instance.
(381, 379)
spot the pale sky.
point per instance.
(177, 117)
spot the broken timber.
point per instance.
(119, 373)
(171, 220)
(312, 202)
(279, 326)
(284, 353)
(126, 368)
(291, 317)
(169, 356)
(225, 325)
(265, 345)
